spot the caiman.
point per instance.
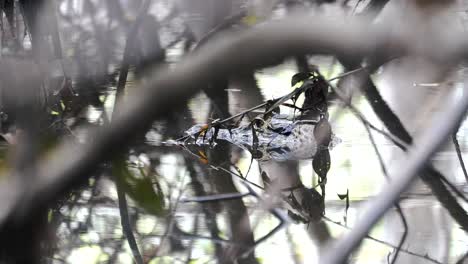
(279, 138)
(272, 136)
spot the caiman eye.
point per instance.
(258, 123)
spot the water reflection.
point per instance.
(354, 168)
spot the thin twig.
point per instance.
(397, 204)
(433, 178)
(225, 24)
(219, 122)
(210, 215)
(397, 141)
(278, 101)
(129, 48)
(459, 155)
(346, 74)
(173, 210)
(223, 169)
(123, 205)
(408, 168)
(222, 197)
(189, 236)
(126, 227)
(215, 198)
(425, 256)
(454, 189)
(275, 212)
(355, 7)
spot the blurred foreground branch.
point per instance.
(417, 159)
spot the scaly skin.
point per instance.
(279, 138)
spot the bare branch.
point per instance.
(416, 160)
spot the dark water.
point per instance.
(354, 168)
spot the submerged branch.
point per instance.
(430, 142)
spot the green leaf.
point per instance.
(321, 163)
(140, 188)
